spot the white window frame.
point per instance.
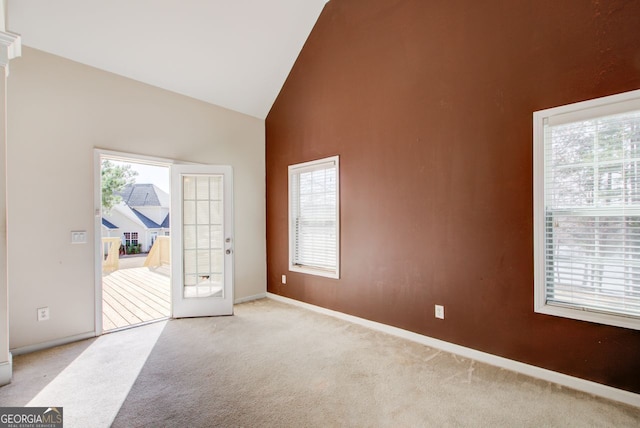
(620, 103)
(129, 240)
(295, 170)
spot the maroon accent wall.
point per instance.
(429, 105)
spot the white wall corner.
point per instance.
(6, 371)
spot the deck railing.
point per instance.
(112, 248)
(159, 254)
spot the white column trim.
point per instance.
(10, 48)
(6, 371)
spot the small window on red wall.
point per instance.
(314, 226)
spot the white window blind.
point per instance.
(591, 215)
(314, 218)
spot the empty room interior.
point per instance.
(382, 212)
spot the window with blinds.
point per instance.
(587, 210)
(314, 217)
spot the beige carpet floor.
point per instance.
(275, 365)
(89, 379)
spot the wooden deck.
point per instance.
(135, 295)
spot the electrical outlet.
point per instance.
(284, 279)
(43, 313)
(440, 312)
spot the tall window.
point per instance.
(587, 210)
(314, 226)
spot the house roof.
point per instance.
(165, 222)
(144, 195)
(123, 214)
(150, 224)
(109, 225)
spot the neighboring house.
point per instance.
(108, 228)
(141, 216)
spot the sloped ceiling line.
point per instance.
(235, 54)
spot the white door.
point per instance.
(201, 240)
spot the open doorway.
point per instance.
(134, 248)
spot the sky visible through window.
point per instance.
(149, 174)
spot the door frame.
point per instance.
(98, 154)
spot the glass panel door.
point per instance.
(203, 280)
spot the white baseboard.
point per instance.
(6, 371)
(250, 298)
(63, 341)
(50, 344)
(494, 360)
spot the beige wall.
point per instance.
(58, 112)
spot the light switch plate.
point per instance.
(78, 236)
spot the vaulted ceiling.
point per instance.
(232, 53)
